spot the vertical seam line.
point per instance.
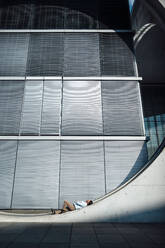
(105, 181)
(42, 104)
(12, 193)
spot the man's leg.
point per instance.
(67, 205)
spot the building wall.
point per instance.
(149, 40)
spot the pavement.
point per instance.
(83, 235)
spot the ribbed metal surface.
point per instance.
(116, 53)
(82, 108)
(32, 106)
(49, 15)
(114, 14)
(121, 108)
(123, 159)
(20, 14)
(11, 97)
(13, 54)
(7, 165)
(82, 170)
(81, 55)
(37, 175)
(51, 110)
(14, 15)
(45, 55)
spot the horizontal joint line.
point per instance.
(66, 31)
(74, 138)
(71, 78)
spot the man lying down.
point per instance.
(72, 206)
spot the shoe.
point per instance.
(53, 211)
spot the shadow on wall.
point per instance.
(155, 214)
(150, 53)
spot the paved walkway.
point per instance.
(100, 235)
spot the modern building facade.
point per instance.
(149, 41)
(71, 117)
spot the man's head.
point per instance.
(89, 202)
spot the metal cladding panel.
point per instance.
(81, 54)
(37, 175)
(121, 108)
(51, 107)
(116, 54)
(49, 16)
(123, 159)
(13, 54)
(32, 107)
(114, 14)
(11, 97)
(82, 108)
(81, 14)
(77, 20)
(45, 56)
(7, 166)
(82, 170)
(15, 15)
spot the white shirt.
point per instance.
(79, 204)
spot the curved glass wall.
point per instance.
(153, 98)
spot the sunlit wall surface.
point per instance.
(71, 122)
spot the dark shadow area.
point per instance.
(87, 14)
(150, 55)
(155, 214)
(37, 235)
(156, 5)
(87, 235)
(148, 12)
(153, 99)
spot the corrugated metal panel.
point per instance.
(78, 20)
(82, 108)
(123, 159)
(81, 55)
(37, 175)
(45, 55)
(13, 54)
(15, 15)
(51, 107)
(49, 15)
(7, 166)
(114, 14)
(32, 106)
(121, 108)
(116, 53)
(82, 170)
(77, 13)
(11, 97)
